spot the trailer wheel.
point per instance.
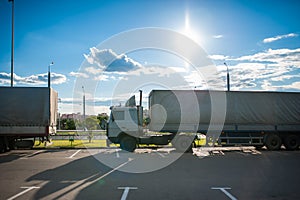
(291, 142)
(183, 144)
(273, 142)
(128, 143)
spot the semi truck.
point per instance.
(255, 118)
(26, 113)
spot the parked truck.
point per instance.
(26, 113)
(251, 118)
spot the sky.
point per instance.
(258, 39)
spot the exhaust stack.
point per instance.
(141, 97)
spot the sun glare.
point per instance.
(190, 32)
(188, 29)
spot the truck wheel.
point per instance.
(291, 142)
(273, 142)
(24, 144)
(128, 143)
(2, 145)
(12, 144)
(183, 144)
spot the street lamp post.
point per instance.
(228, 78)
(83, 99)
(83, 108)
(49, 74)
(59, 101)
(12, 45)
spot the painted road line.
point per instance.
(74, 154)
(126, 190)
(23, 192)
(224, 190)
(160, 154)
(117, 153)
(33, 154)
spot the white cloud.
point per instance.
(218, 57)
(217, 36)
(268, 86)
(93, 70)
(79, 74)
(37, 79)
(107, 60)
(102, 77)
(294, 85)
(160, 71)
(283, 56)
(259, 71)
(279, 37)
(259, 75)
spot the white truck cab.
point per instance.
(125, 124)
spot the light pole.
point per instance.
(49, 74)
(228, 78)
(59, 101)
(83, 99)
(12, 45)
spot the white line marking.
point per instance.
(33, 154)
(101, 177)
(162, 155)
(74, 154)
(117, 152)
(224, 190)
(126, 190)
(23, 192)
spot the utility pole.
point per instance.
(228, 78)
(12, 45)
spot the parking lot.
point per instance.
(209, 173)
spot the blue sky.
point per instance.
(259, 40)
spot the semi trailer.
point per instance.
(26, 113)
(270, 119)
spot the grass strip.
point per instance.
(87, 144)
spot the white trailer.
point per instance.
(26, 113)
(251, 118)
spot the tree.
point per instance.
(67, 124)
(91, 123)
(103, 117)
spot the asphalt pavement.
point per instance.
(209, 173)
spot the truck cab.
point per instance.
(125, 124)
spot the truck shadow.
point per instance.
(252, 176)
(9, 158)
(86, 178)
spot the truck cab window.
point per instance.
(118, 115)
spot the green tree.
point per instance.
(67, 124)
(103, 117)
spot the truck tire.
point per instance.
(183, 144)
(3, 144)
(11, 144)
(273, 142)
(128, 143)
(24, 144)
(291, 142)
